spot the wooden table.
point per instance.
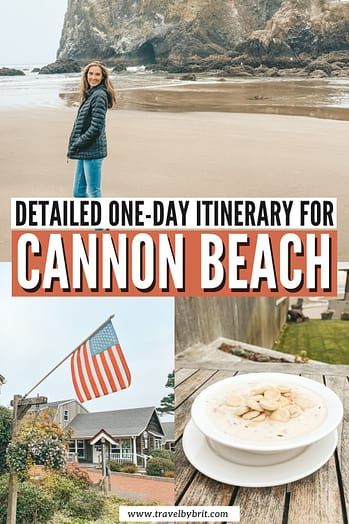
(321, 498)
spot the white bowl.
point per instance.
(262, 453)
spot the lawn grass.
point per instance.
(324, 340)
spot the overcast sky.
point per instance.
(36, 333)
(30, 30)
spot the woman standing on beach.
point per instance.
(87, 143)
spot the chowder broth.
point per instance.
(265, 412)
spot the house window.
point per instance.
(78, 447)
(126, 444)
(157, 443)
(171, 446)
(66, 415)
(122, 449)
(115, 449)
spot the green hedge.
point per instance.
(157, 466)
(87, 504)
(34, 504)
(163, 453)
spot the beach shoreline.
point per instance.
(164, 154)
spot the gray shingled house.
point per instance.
(169, 438)
(62, 411)
(131, 434)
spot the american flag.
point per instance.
(98, 366)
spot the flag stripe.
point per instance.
(114, 367)
(84, 372)
(81, 375)
(89, 374)
(93, 372)
(77, 378)
(124, 366)
(107, 371)
(102, 370)
(76, 387)
(100, 376)
(114, 358)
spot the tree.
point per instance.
(5, 435)
(167, 402)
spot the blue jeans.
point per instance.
(87, 182)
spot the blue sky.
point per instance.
(30, 30)
(36, 333)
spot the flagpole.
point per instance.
(70, 354)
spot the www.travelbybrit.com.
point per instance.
(179, 514)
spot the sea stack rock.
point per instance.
(9, 71)
(159, 32)
(201, 35)
(61, 66)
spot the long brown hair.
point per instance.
(105, 81)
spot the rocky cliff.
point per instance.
(159, 31)
(313, 27)
(179, 33)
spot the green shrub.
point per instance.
(34, 505)
(163, 453)
(63, 489)
(86, 504)
(129, 468)
(114, 465)
(157, 466)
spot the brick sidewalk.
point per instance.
(141, 489)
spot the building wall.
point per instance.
(73, 408)
(248, 319)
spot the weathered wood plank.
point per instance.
(189, 386)
(182, 414)
(342, 390)
(251, 367)
(317, 496)
(340, 386)
(207, 492)
(185, 472)
(183, 374)
(262, 505)
(315, 499)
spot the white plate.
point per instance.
(203, 458)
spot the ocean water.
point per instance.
(33, 90)
(147, 91)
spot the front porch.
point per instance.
(127, 450)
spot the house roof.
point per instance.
(120, 423)
(168, 428)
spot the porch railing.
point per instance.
(121, 458)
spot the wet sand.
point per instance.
(302, 97)
(180, 154)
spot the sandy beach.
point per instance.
(180, 154)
